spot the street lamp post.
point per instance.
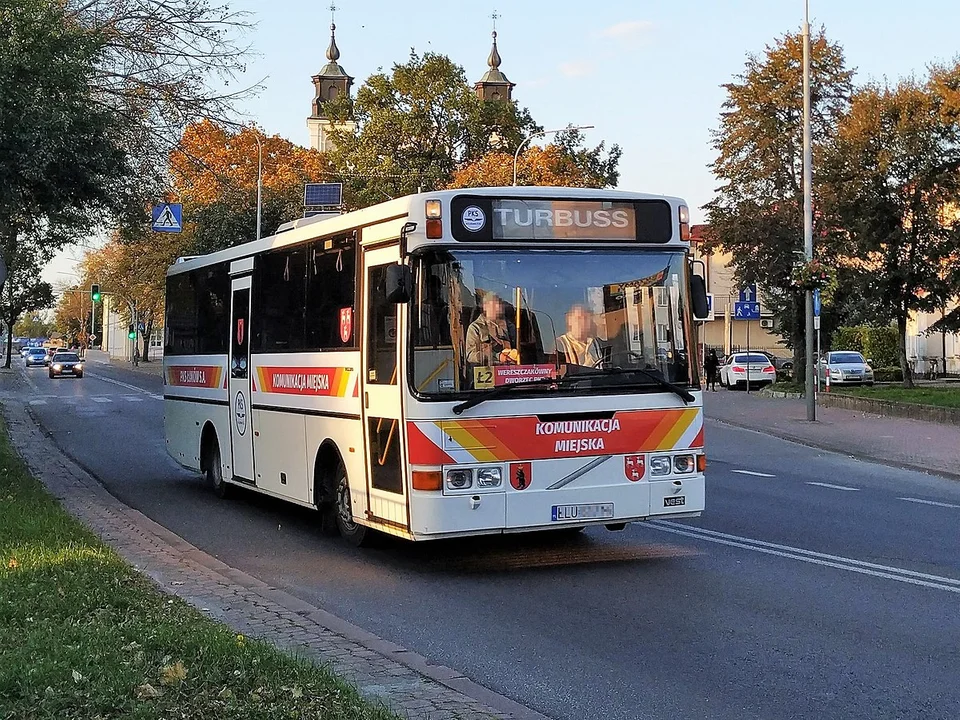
(259, 178)
(540, 133)
(808, 213)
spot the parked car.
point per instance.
(36, 356)
(740, 367)
(66, 363)
(846, 367)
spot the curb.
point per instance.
(892, 408)
(839, 450)
(22, 425)
(781, 394)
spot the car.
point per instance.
(26, 349)
(36, 356)
(846, 367)
(756, 366)
(66, 363)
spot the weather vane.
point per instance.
(494, 16)
(333, 10)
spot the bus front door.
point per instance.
(241, 432)
(381, 383)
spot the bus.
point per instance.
(451, 363)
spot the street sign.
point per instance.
(816, 322)
(816, 302)
(167, 217)
(748, 294)
(710, 315)
(746, 311)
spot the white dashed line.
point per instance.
(38, 402)
(751, 472)
(101, 399)
(140, 390)
(929, 502)
(833, 487)
(132, 398)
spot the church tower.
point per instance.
(494, 84)
(329, 84)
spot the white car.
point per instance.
(741, 367)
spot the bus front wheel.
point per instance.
(352, 532)
(213, 470)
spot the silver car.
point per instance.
(846, 367)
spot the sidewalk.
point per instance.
(914, 444)
(382, 671)
(97, 357)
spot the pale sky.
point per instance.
(646, 73)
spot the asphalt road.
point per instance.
(815, 585)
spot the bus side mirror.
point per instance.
(698, 296)
(399, 284)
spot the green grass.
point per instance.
(84, 636)
(939, 397)
(787, 386)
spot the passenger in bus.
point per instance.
(579, 343)
(491, 338)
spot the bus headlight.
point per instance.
(660, 465)
(489, 477)
(683, 463)
(459, 479)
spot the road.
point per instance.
(815, 585)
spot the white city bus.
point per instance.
(452, 363)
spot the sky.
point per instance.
(646, 73)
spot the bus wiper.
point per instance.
(569, 379)
(665, 384)
(502, 390)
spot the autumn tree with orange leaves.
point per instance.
(214, 174)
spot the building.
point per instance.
(494, 85)
(331, 83)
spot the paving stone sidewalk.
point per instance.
(382, 671)
(900, 442)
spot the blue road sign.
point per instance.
(748, 294)
(746, 311)
(709, 302)
(816, 302)
(167, 217)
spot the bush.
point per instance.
(879, 344)
(888, 374)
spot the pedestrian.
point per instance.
(712, 366)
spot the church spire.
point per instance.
(331, 83)
(494, 85)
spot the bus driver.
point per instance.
(491, 338)
(578, 344)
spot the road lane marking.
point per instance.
(100, 399)
(833, 487)
(930, 502)
(132, 398)
(38, 402)
(839, 562)
(127, 385)
(751, 472)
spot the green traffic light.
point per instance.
(96, 297)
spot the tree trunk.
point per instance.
(797, 338)
(904, 363)
(11, 321)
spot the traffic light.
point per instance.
(95, 293)
(131, 332)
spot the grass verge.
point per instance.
(937, 397)
(787, 386)
(82, 635)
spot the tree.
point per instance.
(548, 166)
(62, 164)
(214, 173)
(414, 127)
(757, 213)
(32, 325)
(72, 314)
(895, 167)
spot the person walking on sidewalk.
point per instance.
(712, 366)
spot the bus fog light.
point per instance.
(660, 465)
(459, 479)
(489, 477)
(683, 463)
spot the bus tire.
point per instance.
(351, 531)
(324, 495)
(213, 467)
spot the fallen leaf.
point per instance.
(77, 677)
(147, 692)
(173, 674)
(225, 694)
(13, 564)
(296, 693)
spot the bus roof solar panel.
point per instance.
(322, 194)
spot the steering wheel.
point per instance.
(636, 357)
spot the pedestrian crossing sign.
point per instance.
(168, 217)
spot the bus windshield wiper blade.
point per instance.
(665, 384)
(502, 390)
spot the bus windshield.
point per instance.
(485, 318)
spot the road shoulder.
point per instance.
(406, 682)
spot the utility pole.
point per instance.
(808, 213)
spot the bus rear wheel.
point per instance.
(213, 471)
(350, 530)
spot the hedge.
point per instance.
(880, 344)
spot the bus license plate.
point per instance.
(674, 501)
(591, 511)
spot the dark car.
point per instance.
(66, 363)
(36, 356)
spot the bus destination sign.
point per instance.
(514, 219)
